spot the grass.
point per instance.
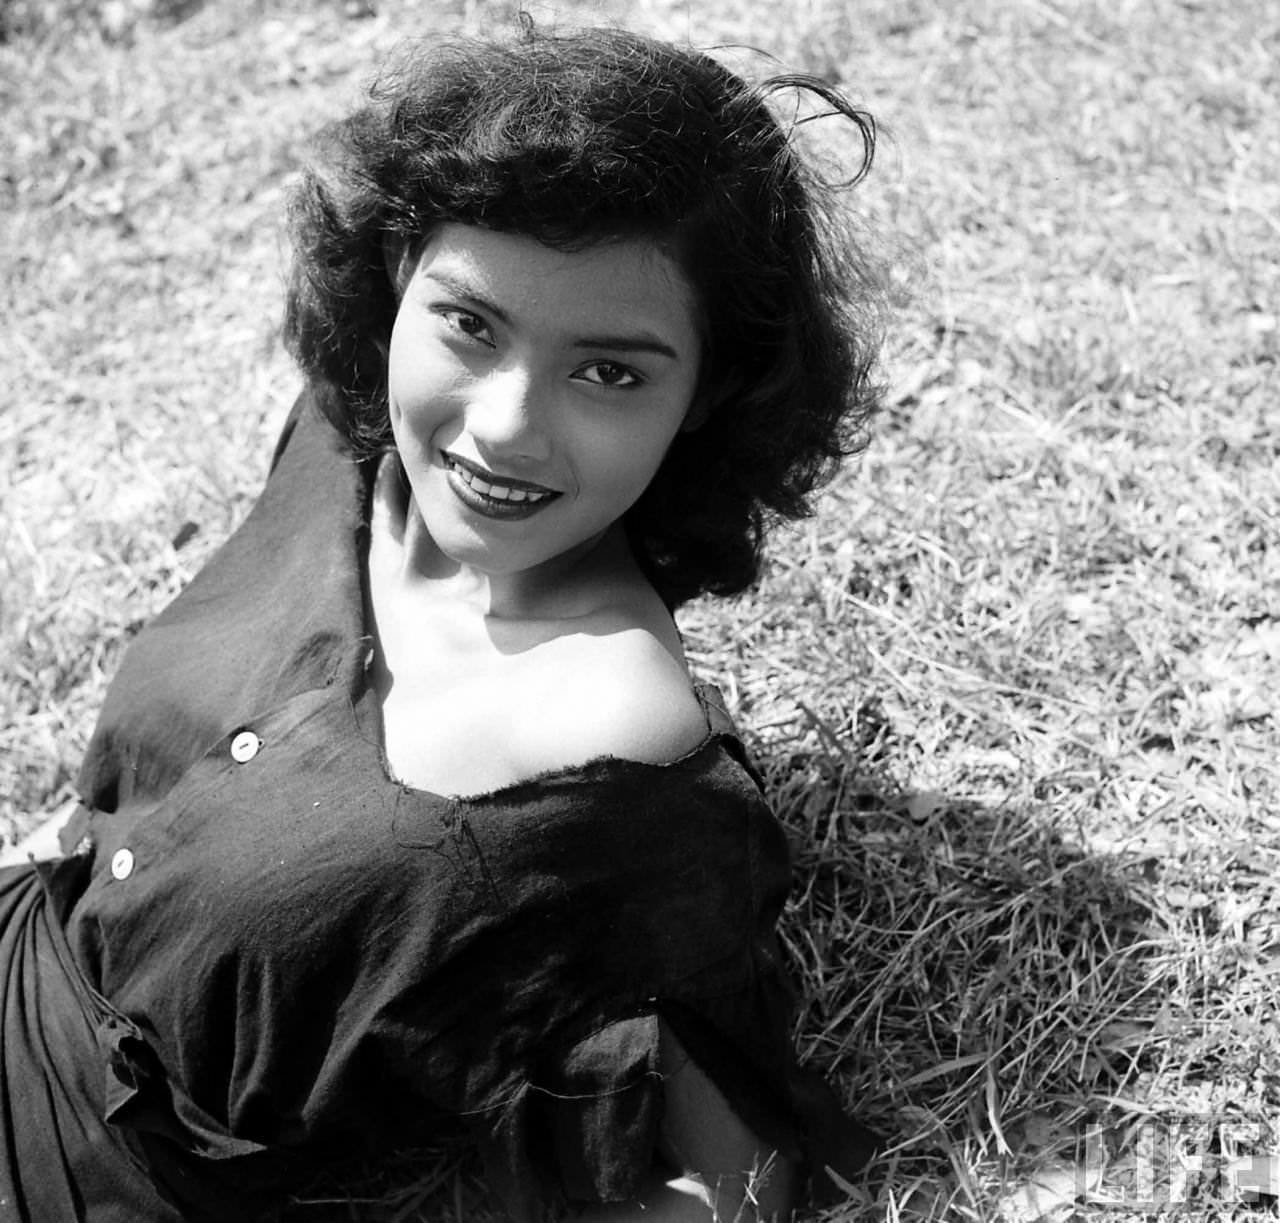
(1012, 686)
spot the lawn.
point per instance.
(1013, 686)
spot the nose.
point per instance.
(508, 412)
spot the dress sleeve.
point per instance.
(588, 1128)
(604, 1109)
(670, 908)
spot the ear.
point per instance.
(399, 254)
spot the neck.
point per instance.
(565, 587)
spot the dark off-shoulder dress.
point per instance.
(267, 955)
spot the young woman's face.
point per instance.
(534, 392)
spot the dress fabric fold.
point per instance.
(270, 955)
(59, 1157)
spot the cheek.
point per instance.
(633, 460)
(397, 371)
(419, 382)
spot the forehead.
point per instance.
(632, 278)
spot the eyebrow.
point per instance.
(638, 343)
(464, 291)
(629, 343)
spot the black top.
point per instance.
(299, 956)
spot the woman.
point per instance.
(406, 817)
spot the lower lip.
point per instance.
(491, 507)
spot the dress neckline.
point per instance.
(366, 713)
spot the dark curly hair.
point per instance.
(575, 139)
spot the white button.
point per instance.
(244, 747)
(122, 863)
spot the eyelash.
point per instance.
(453, 316)
(633, 381)
(457, 319)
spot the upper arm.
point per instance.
(704, 1138)
(725, 1172)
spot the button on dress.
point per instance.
(275, 955)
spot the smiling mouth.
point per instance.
(492, 493)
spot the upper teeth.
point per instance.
(499, 492)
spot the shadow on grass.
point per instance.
(982, 988)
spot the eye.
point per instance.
(611, 374)
(467, 324)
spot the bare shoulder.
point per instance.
(618, 690)
(644, 698)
